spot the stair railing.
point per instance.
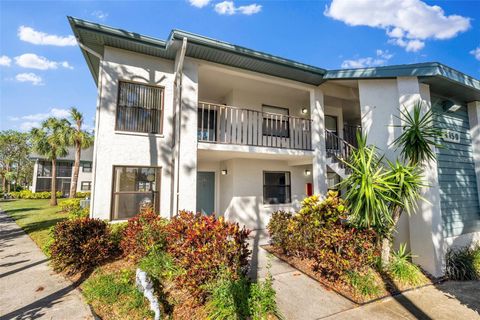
(337, 148)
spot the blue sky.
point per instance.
(42, 71)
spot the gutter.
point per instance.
(178, 122)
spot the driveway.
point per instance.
(300, 297)
(29, 288)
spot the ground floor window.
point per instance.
(86, 185)
(45, 184)
(134, 188)
(276, 187)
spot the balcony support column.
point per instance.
(317, 112)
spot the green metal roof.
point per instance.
(96, 36)
(440, 77)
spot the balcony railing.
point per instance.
(230, 125)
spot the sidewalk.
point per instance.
(300, 297)
(29, 289)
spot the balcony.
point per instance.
(237, 126)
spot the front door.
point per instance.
(206, 192)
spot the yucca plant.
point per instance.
(419, 134)
(370, 188)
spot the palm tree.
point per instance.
(79, 139)
(50, 140)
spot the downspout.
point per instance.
(97, 120)
(178, 122)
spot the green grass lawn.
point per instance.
(35, 217)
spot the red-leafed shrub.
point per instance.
(80, 244)
(203, 246)
(143, 233)
(320, 232)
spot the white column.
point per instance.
(187, 157)
(426, 234)
(317, 110)
(35, 176)
(474, 120)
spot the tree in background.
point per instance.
(79, 139)
(14, 162)
(51, 141)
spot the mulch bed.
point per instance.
(389, 288)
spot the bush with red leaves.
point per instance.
(203, 246)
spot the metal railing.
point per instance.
(337, 147)
(230, 125)
(350, 134)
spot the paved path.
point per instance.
(300, 297)
(29, 289)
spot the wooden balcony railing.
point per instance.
(230, 125)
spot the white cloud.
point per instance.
(250, 9)
(37, 37)
(5, 61)
(229, 8)
(476, 53)
(29, 77)
(408, 23)
(225, 7)
(199, 3)
(30, 121)
(380, 59)
(31, 60)
(99, 14)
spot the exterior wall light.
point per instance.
(308, 172)
(304, 110)
(224, 172)
(451, 106)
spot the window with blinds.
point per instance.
(139, 108)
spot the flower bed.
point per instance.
(320, 241)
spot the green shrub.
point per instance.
(117, 230)
(402, 269)
(240, 299)
(159, 265)
(70, 205)
(262, 299)
(27, 194)
(73, 209)
(82, 195)
(204, 245)
(463, 263)
(319, 232)
(364, 283)
(143, 233)
(80, 244)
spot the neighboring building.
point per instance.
(199, 124)
(42, 172)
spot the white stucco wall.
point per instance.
(126, 148)
(241, 190)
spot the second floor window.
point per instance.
(87, 167)
(139, 108)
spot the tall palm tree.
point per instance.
(79, 139)
(50, 140)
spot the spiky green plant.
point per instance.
(402, 269)
(419, 134)
(369, 187)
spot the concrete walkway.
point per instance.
(29, 289)
(300, 297)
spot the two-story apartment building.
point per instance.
(42, 172)
(199, 124)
